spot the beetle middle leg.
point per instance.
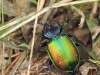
(85, 50)
(79, 43)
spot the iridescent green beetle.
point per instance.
(62, 51)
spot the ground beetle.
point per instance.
(61, 49)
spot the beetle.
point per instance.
(61, 49)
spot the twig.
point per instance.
(12, 64)
(79, 12)
(22, 57)
(2, 12)
(3, 65)
(47, 14)
(59, 4)
(97, 31)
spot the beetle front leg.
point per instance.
(39, 35)
(42, 44)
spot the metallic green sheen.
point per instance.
(63, 53)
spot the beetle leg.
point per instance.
(70, 35)
(49, 66)
(79, 43)
(75, 72)
(84, 52)
(43, 44)
(39, 35)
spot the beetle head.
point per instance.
(50, 31)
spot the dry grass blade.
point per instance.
(22, 57)
(56, 5)
(79, 12)
(3, 65)
(10, 66)
(39, 7)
